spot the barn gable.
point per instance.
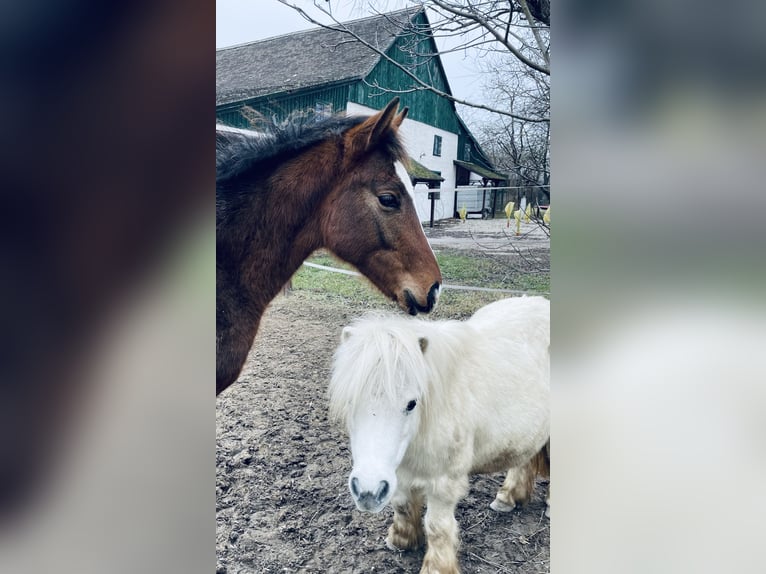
(414, 52)
(314, 69)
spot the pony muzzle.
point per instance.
(413, 306)
(368, 500)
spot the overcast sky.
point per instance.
(241, 21)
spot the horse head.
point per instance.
(371, 221)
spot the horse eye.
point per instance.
(411, 405)
(388, 200)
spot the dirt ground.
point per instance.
(489, 236)
(282, 467)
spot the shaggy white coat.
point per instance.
(481, 389)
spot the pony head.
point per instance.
(378, 388)
(372, 222)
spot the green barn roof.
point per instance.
(418, 172)
(480, 170)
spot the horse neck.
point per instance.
(278, 227)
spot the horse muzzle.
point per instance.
(413, 306)
(367, 500)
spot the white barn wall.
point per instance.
(418, 139)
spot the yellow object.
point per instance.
(547, 216)
(463, 212)
(509, 212)
(517, 215)
(528, 213)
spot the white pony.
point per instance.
(426, 403)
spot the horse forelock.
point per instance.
(394, 147)
(380, 360)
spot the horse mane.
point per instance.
(240, 151)
(382, 350)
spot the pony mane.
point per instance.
(384, 349)
(374, 360)
(239, 151)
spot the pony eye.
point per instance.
(411, 405)
(388, 200)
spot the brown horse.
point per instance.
(338, 184)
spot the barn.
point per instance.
(327, 70)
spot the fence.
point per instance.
(487, 202)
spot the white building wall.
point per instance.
(418, 139)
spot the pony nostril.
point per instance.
(355, 487)
(382, 491)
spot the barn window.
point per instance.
(323, 110)
(437, 145)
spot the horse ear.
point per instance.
(400, 118)
(384, 123)
(345, 334)
(375, 128)
(423, 342)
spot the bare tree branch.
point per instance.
(543, 49)
(541, 10)
(477, 17)
(340, 27)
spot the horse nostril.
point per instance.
(382, 491)
(412, 304)
(433, 294)
(355, 487)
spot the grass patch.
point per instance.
(456, 269)
(470, 271)
(535, 282)
(335, 286)
(463, 304)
